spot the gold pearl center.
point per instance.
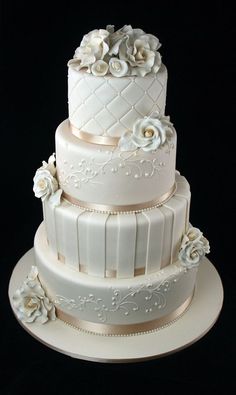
(116, 66)
(42, 184)
(29, 303)
(191, 236)
(148, 132)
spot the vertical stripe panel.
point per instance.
(141, 241)
(96, 244)
(78, 237)
(126, 245)
(112, 232)
(59, 222)
(155, 240)
(50, 224)
(70, 230)
(83, 225)
(183, 192)
(177, 209)
(167, 237)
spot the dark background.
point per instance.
(198, 47)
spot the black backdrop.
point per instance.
(197, 47)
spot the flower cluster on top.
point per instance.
(45, 182)
(193, 248)
(123, 52)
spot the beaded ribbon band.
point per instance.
(94, 139)
(122, 330)
(116, 209)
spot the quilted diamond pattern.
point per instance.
(108, 105)
(118, 107)
(132, 95)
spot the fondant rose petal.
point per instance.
(55, 198)
(126, 143)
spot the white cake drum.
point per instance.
(122, 245)
(108, 106)
(104, 175)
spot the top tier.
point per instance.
(115, 78)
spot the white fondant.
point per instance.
(97, 233)
(154, 247)
(124, 242)
(103, 174)
(110, 105)
(112, 234)
(112, 301)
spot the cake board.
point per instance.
(197, 320)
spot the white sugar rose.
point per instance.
(118, 68)
(31, 302)
(50, 165)
(193, 248)
(139, 50)
(117, 37)
(99, 68)
(148, 134)
(157, 63)
(44, 184)
(93, 47)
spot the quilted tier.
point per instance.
(109, 106)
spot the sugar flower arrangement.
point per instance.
(194, 247)
(123, 52)
(149, 133)
(46, 184)
(31, 302)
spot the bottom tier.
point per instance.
(110, 305)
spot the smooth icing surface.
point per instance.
(105, 175)
(112, 301)
(122, 245)
(109, 106)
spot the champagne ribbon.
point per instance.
(109, 273)
(114, 209)
(92, 138)
(112, 273)
(119, 330)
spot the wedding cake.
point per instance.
(115, 254)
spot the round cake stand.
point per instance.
(194, 323)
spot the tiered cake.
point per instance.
(115, 253)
